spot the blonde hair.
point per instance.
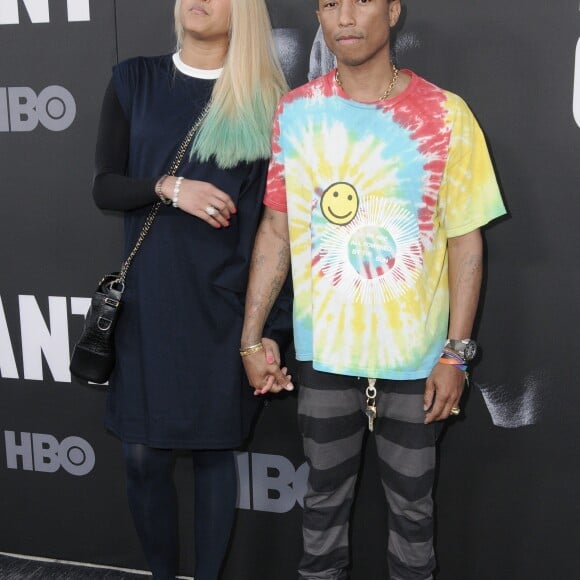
(239, 122)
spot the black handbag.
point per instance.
(93, 357)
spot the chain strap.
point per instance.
(153, 213)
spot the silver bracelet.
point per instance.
(159, 190)
(175, 199)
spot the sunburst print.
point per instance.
(376, 257)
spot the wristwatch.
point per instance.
(465, 348)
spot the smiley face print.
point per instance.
(339, 203)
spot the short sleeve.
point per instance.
(125, 76)
(275, 196)
(469, 196)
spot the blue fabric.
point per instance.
(153, 502)
(178, 381)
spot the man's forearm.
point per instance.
(465, 275)
(268, 272)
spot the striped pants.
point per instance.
(332, 421)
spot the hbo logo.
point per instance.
(40, 452)
(21, 109)
(270, 483)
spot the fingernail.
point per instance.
(289, 387)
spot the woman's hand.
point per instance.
(198, 197)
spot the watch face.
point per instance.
(465, 348)
(470, 350)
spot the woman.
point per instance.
(178, 381)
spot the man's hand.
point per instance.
(268, 271)
(442, 392)
(264, 372)
(446, 382)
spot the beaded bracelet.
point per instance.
(175, 199)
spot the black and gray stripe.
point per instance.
(332, 422)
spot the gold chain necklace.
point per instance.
(389, 90)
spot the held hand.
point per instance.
(442, 392)
(198, 197)
(277, 383)
(271, 351)
(265, 376)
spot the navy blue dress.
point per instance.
(178, 380)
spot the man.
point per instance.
(378, 185)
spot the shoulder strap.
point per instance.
(153, 213)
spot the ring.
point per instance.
(455, 411)
(210, 210)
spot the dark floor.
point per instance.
(19, 569)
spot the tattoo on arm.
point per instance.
(268, 271)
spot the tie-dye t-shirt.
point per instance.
(372, 192)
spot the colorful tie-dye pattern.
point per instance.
(372, 192)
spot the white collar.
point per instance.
(198, 73)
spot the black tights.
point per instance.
(153, 504)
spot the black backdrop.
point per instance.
(507, 498)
